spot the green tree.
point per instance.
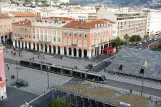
(135, 38)
(58, 103)
(126, 37)
(117, 43)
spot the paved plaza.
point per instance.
(65, 61)
(37, 79)
(16, 97)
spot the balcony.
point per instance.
(74, 45)
(44, 42)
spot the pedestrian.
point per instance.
(2, 98)
(8, 68)
(13, 76)
(38, 56)
(33, 58)
(6, 65)
(130, 91)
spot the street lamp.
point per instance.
(17, 70)
(142, 72)
(48, 77)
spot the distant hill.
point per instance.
(116, 2)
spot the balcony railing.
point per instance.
(74, 44)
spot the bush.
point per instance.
(58, 103)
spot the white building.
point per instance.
(153, 23)
(63, 1)
(131, 23)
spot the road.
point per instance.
(16, 97)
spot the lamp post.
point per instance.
(41, 55)
(48, 77)
(142, 72)
(17, 70)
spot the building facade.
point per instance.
(63, 36)
(7, 20)
(3, 94)
(131, 23)
(153, 23)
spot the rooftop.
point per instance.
(88, 25)
(24, 22)
(23, 14)
(105, 95)
(132, 61)
(4, 16)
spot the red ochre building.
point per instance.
(3, 94)
(64, 36)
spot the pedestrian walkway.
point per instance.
(133, 80)
(37, 79)
(47, 58)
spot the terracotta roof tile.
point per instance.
(4, 16)
(86, 25)
(23, 14)
(113, 22)
(25, 22)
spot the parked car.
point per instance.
(89, 66)
(140, 43)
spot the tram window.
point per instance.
(25, 63)
(82, 75)
(65, 71)
(74, 73)
(44, 67)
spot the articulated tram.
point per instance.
(63, 70)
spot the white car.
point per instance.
(144, 41)
(140, 43)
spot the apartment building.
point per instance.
(7, 20)
(63, 36)
(153, 23)
(131, 23)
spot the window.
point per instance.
(33, 36)
(92, 42)
(74, 41)
(38, 37)
(65, 41)
(45, 38)
(15, 34)
(85, 43)
(69, 41)
(85, 35)
(80, 35)
(29, 36)
(75, 34)
(65, 33)
(92, 35)
(58, 40)
(54, 39)
(69, 34)
(79, 43)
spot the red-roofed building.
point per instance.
(3, 94)
(63, 36)
(7, 20)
